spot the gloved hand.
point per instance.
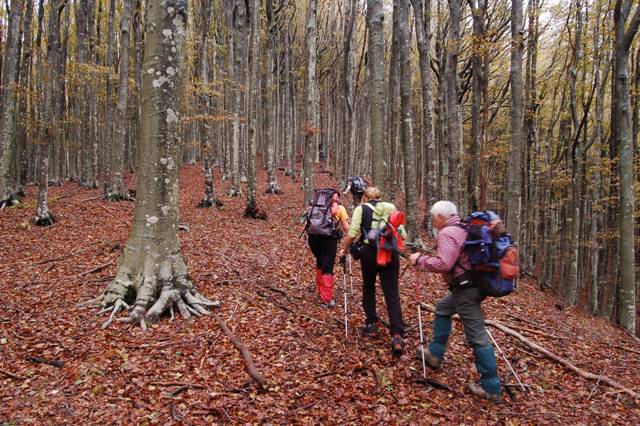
(413, 259)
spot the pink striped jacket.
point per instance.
(450, 260)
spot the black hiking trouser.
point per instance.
(389, 275)
(324, 248)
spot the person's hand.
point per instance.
(413, 259)
(340, 253)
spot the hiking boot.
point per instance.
(329, 304)
(397, 345)
(477, 390)
(432, 361)
(370, 330)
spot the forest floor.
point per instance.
(189, 372)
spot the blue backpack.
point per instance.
(492, 255)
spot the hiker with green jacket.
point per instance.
(367, 217)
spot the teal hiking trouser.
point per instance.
(466, 303)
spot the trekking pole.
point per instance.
(344, 291)
(424, 364)
(304, 255)
(350, 275)
(507, 361)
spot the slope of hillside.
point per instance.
(189, 372)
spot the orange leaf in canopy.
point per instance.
(309, 130)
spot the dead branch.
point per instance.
(246, 355)
(12, 375)
(189, 385)
(562, 361)
(56, 363)
(96, 269)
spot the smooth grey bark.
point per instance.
(406, 115)
(8, 118)
(377, 93)
(287, 106)
(107, 145)
(235, 24)
(514, 170)
(348, 88)
(453, 139)
(270, 116)
(313, 103)
(575, 219)
(478, 81)
(117, 188)
(625, 29)
(23, 103)
(251, 209)
(153, 276)
(85, 13)
(209, 198)
(422, 13)
(43, 216)
(392, 111)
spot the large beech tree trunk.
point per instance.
(626, 312)
(153, 273)
(7, 119)
(375, 22)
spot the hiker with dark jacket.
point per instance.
(362, 222)
(356, 185)
(463, 298)
(324, 247)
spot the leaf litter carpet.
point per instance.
(58, 367)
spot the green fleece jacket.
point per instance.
(381, 210)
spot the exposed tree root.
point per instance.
(9, 201)
(151, 288)
(122, 195)
(255, 212)
(44, 219)
(234, 192)
(88, 183)
(562, 361)
(243, 179)
(273, 188)
(211, 201)
(246, 355)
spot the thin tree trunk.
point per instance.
(313, 103)
(51, 131)
(117, 189)
(406, 107)
(252, 205)
(453, 139)
(514, 171)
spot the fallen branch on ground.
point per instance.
(246, 355)
(96, 269)
(536, 347)
(12, 375)
(56, 363)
